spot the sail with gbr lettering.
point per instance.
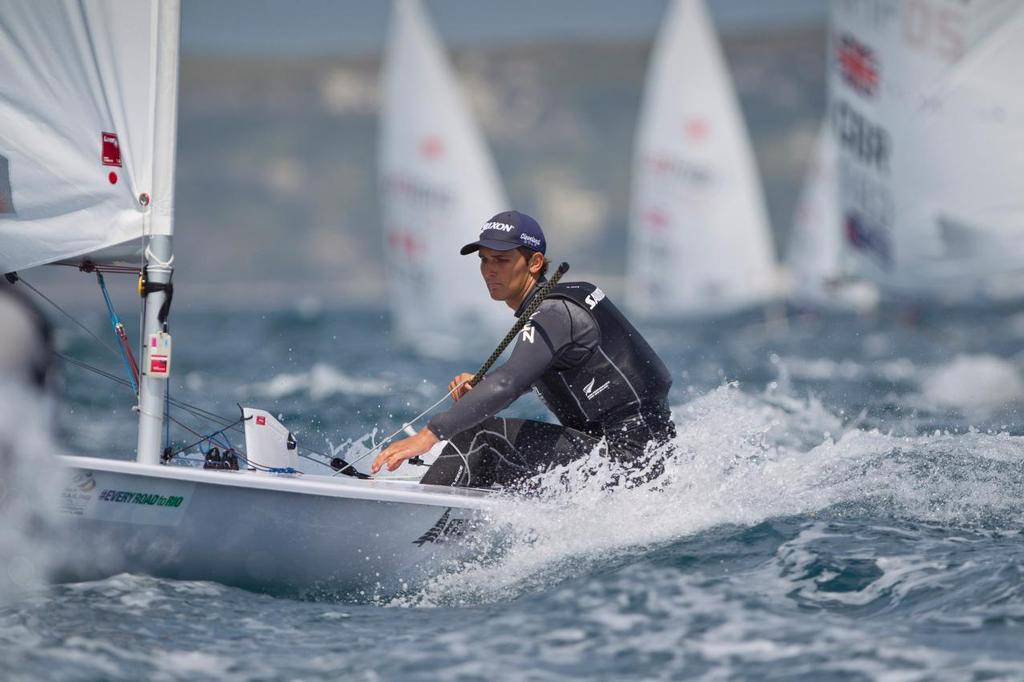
(439, 185)
(700, 240)
(86, 154)
(928, 117)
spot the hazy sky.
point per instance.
(285, 27)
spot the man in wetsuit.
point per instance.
(591, 367)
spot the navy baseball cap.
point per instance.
(507, 231)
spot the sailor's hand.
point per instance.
(393, 455)
(458, 390)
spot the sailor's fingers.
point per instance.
(385, 459)
(458, 390)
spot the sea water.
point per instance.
(844, 501)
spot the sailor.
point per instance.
(591, 367)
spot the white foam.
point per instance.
(826, 369)
(974, 382)
(321, 381)
(738, 460)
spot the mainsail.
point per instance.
(439, 185)
(700, 240)
(86, 147)
(929, 120)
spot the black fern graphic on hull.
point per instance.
(445, 529)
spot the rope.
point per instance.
(400, 430)
(202, 438)
(520, 323)
(88, 266)
(198, 413)
(68, 315)
(512, 333)
(153, 260)
(126, 353)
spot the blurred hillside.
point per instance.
(276, 185)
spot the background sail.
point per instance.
(439, 186)
(927, 113)
(77, 101)
(816, 238)
(700, 240)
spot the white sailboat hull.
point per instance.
(304, 535)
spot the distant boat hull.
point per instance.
(294, 535)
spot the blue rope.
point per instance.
(115, 322)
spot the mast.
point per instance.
(159, 255)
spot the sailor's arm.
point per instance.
(529, 360)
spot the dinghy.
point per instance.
(928, 118)
(815, 255)
(88, 101)
(699, 237)
(438, 183)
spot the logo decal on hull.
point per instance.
(445, 529)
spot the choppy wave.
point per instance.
(974, 382)
(740, 460)
(321, 381)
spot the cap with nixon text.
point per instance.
(507, 231)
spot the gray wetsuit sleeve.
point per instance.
(555, 336)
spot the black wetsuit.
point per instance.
(591, 367)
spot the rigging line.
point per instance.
(125, 346)
(202, 438)
(110, 269)
(238, 453)
(523, 320)
(201, 413)
(91, 368)
(69, 316)
(195, 411)
(400, 429)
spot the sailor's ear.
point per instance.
(536, 262)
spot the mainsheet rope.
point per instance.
(523, 320)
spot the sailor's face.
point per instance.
(505, 272)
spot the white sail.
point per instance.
(928, 115)
(439, 185)
(815, 242)
(814, 258)
(700, 240)
(78, 102)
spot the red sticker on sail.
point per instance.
(111, 155)
(431, 148)
(261, 420)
